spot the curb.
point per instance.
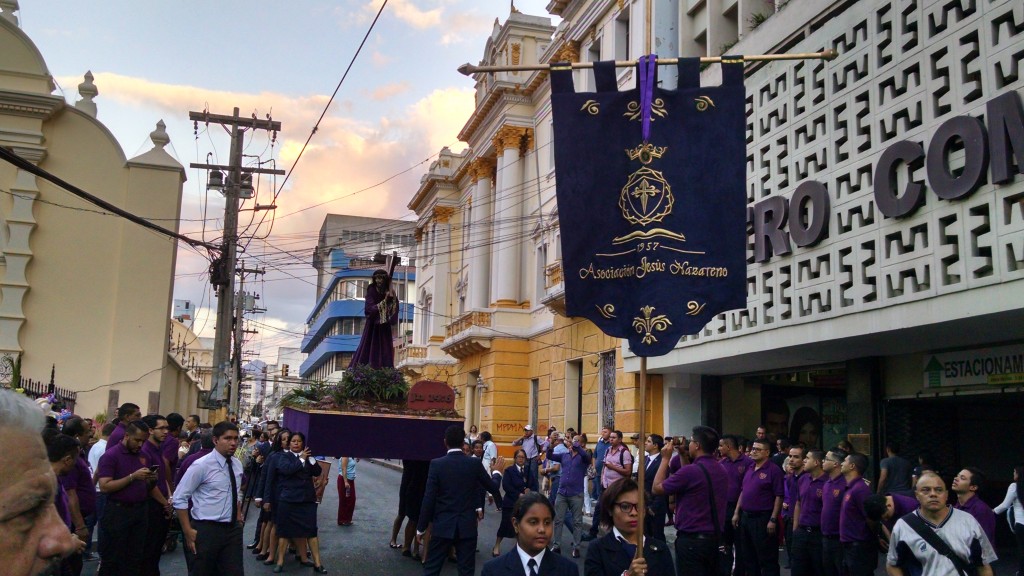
(396, 466)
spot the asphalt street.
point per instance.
(362, 548)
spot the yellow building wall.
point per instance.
(510, 364)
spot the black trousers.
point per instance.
(654, 524)
(805, 553)
(697, 555)
(731, 539)
(760, 549)
(788, 524)
(123, 539)
(465, 555)
(157, 526)
(860, 558)
(218, 549)
(832, 556)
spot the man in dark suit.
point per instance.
(449, 504)
(654, 523)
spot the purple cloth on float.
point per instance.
(376, 347)
(345, 434)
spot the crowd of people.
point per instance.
(146, 481)
(732, 501)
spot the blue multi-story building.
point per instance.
(336, 323)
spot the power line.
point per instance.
(31, 168)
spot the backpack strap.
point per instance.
(916, 523)
(711, 501)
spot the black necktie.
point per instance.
(533, 567)
(234, 491)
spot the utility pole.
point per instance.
(223, 269)
(240, 310)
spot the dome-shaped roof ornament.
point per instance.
(8, 9)
(159, 136)
(88, 91)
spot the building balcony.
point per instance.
(472, 332)
(467, 321)
(554, 288)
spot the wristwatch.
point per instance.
(772, 520)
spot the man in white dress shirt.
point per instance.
(213, 530)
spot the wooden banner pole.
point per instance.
(469, 69)
(641, 453)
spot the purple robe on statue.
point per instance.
(376, 347)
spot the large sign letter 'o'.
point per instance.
(889, 200)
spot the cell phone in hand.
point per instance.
(153, 469)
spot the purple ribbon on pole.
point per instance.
(648, 68)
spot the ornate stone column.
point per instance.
(482, 171)
(21, 222)
(507, 226)
(442, 269)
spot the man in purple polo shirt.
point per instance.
(736, 464)
(126, 414)
(78, 484)
(805, 550)
(795, 469)
(125, 478)
(831, 503)
(860, 551)
(886, 510)
(757, 510)
(966, 486)
(159, 507)
(574, 464)
(172, 444)
(698, 525)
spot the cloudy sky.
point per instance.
(402, 102)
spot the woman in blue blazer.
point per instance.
(517, 480)
(266, 495)
(533, 521)
(296, 506)
(614, 554)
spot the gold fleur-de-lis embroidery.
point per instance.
(593, 107)
(657, 109)
(648, 324)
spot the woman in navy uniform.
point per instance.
(533, 520)
(517, 480)
(295, 515)
(615, 553)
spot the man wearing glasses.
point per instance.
(698, 525)
(757, 510)
(831, 502)
(159, 508)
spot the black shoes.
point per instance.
(319, 570)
